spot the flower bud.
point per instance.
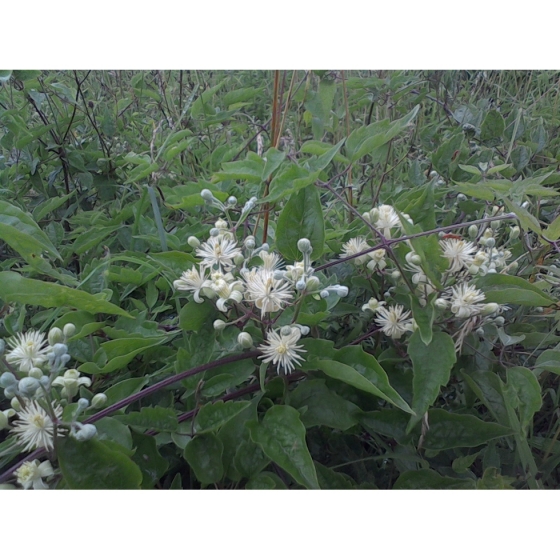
(82, 404)
(10, 392)
(286, 330)
(3, 421)
(249, 242)
(245, 340)
(342, 291)
(304, 330)
(324, 294)
(473, 231)
(473, 269)
(525, 204)
(221, 224)
(514, 232)
(28, 386)
(219, 325)
(59, 349)
(414, 259)
(35, 372)
(207, 195)
(238, 259)
(490, 308)
(499, 321)
(461, 197)
(214, 232)
(69, 330)
(193, 242)
(300, 285)
(480, 331)
(99, 400)
(396, 274)
(232, 201)
(441, 303)
(490, 242)
(304, 245)
(312, 283)
(265, 247)
(45, 382)
(539, 309)
(15, 404)
(85, 432)
(55, 336)
(7, 379)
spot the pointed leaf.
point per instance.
(92, 465)
(204, 455)
(282, 438)
(431, 366)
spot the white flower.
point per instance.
(265, 291)
(28, 350)
(377, 260)
(227, 291)
(393, 320)
(219, 251)
(354, 246)
(387, 218)
(34, 427)
(31, 473)
(271, 261)
(459, 252)
(465, 300)
(282, 350)
(296, 271)
(193, 280)
(372, 305)
(70, 382)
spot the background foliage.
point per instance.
(100, 181)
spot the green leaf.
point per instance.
(445, 156)
(250, 459)
(274, 159)
(92, 465)
(493, 480)
(324, 407)
(424, 317)
(302, 217)
(431, 366)
(119, 353)
(111, 429)
(429, 479)
(487, 387)
(147, 457)
(528, 221)
(265, 481)
(157, 418)
(204, 455)
(20, 223)
(194, 316)
(523, 382)
(347, 374)
(448, 431)
(366, 365)
(321, 162)
(503, 288)
(213, 416)
(478, 190)
(552, 232)
(124, 389)
(16, 288)
(282, 438)
(332, 480)
(492, 128)
(5, 76)
(549, 360)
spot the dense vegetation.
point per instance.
(279, 279)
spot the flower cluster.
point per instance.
(250, 282)
(39, 387)
(467, 259)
